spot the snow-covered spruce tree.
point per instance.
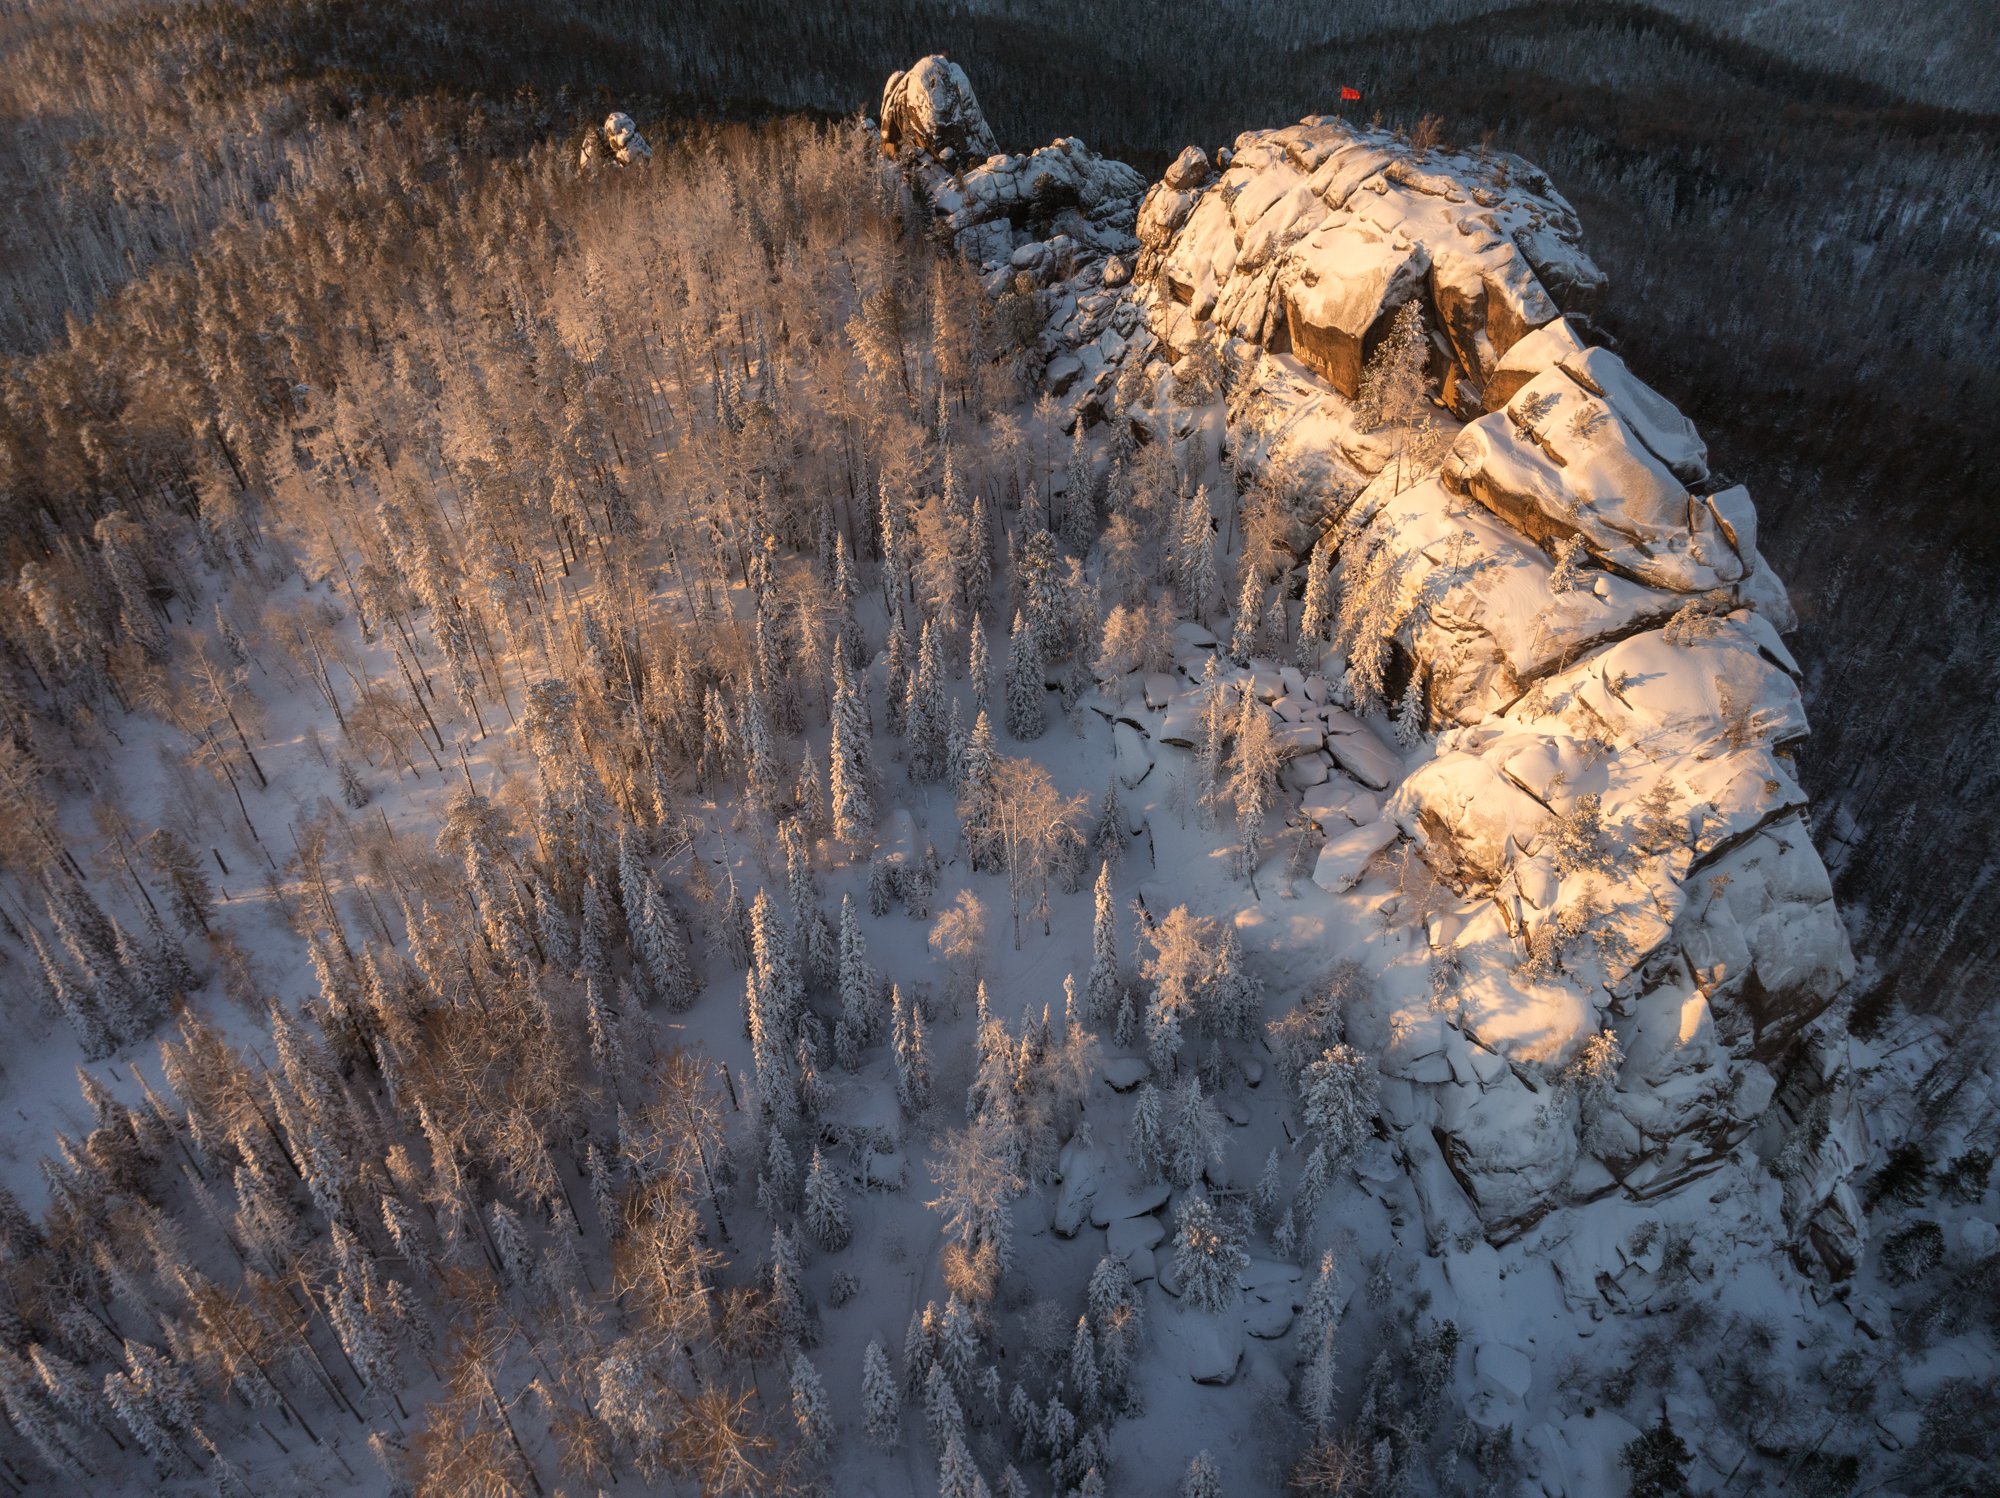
(790, 1310)
(912, 1055)
(927, 711)
(809, 801)
(1195, 555)
(944, 1417)
(1203, 1478)
(1208, 1254)
(1195, 1134)
(958, 1346)
(881, 1399)
(781, 987)
(1319, 1386)
(958, 1475)
(896, 676)
(1108, 837)
(1247, 626)
(1321, 1312)
(1085, 1384)
(978, 799)
(1317, 611)
(860, 988)
(1146, 1133)
(1339, 1097)
(815, 950)
(1372, 611)
(190, 896)
(778, 1181)
(1216, 702)
(594, 935)
(812, 1416)
(978, 1178)
(1412, 708)
(979, 671)
(1101, 992)
(76, 1000)
(1079, 517)
(1253, 782)
(1656, 1461)
(662, 947)
(1268, 1195)
(852, 769)
(1027, 716)
(1392, 383)
(1047, 609)
(826, 1206)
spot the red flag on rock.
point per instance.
(1350, 95)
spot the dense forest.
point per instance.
(475, 613)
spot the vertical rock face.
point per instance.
(1625, 880)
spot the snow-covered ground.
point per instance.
(1515, 1109)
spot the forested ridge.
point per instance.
(468, 614)
(1803, 259)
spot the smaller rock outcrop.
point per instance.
(618, 140)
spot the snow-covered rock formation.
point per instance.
(1627, 927)
(618, 140)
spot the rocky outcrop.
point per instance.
(617, 141)
(931, 111)
(1630, 929)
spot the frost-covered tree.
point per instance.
(928, 710)
(1194, 554)
(780, 985)
(978, 1177)
(815, 951)
(826, 1206)
(1146, 1133)
(912, 1055)
(1319, 1386)
(860, 987)
(1203, 1478)
(1084, 1382)
(1247, 629)
(1027, 716)
(1317, 610)
(1194, 1134)
(979, 671)
(1102, 990)
(1656, 1461)
(852, 768)
(1253, 782)
(812, 1416)
(190, 896)
(1079, 517)
(1208, 1254)
(661, 944)
(958, 1475)
(790, 1310)
(978, 798)
(1267, 1196)
(881, 1399)
(1412, 708)
(1339, 1099)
